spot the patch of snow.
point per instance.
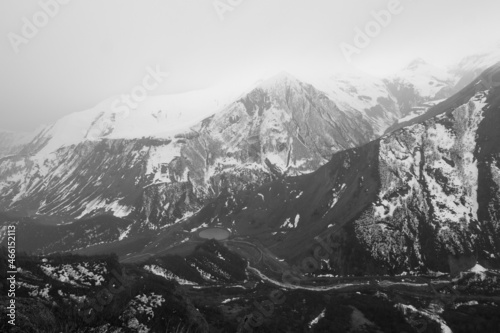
(317, 319)
(478, 269)
(160, 271)
(229, 300)
(124, 234)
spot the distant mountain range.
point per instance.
(135, 163)
(403, 167)
(297, 205)
(424, 197)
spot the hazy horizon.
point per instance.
(93, 50)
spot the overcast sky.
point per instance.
(94, 49)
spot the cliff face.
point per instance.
(438, 188)
(282, 127)
(424, 197)
(283, 164)
(427, 205)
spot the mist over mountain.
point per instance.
(203, 204)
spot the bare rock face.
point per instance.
(421, 82)
(287, 162)
(438, 192)
(429, 190)
(283, 127)
(422, 198)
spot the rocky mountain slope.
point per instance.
(79, 168)
(473, 65)
(421, 82)
(157, 166)
(422, 198)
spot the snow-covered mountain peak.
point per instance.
(279, 79)
(167, 115)
(282, 75)
(472, 65)
(158, 116)
(420, 67)
(350, 91)
(426, 79)
(479, 61)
